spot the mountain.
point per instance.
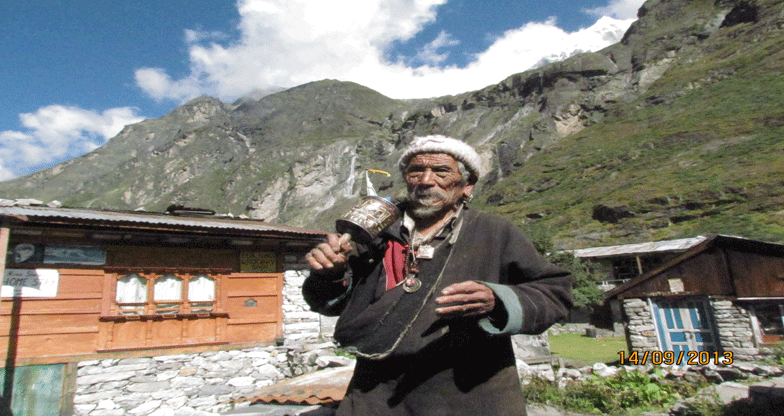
(674, 131)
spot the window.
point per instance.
(163, 294)
(625, 268)
(201, 293)
(769, 322)
(132, 294)
(168, 294)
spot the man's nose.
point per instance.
(428, 178)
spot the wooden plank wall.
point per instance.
(82, 318)
(64, 325)
(703, 274)
(719, 271)
(256, 304)
(171, 257)
(250, 309)
(756, 275)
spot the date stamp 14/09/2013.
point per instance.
(677, 358)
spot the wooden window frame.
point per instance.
(150, 307)
(760, 337)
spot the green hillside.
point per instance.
(701, 152)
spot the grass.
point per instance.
(586, 349)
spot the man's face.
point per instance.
(434, 184)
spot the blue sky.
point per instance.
(74, 72)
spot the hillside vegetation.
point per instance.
(701, 152)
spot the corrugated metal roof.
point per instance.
(709, 242)
(320, 387)
(679, 245)
(47, 214)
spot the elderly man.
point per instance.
(429, 306)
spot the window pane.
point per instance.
(131, 294)
(168, 287)
(201, 289)
(201, 293)
(132, 289)
(678, 336)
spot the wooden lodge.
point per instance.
(84, 284)
(725, 294)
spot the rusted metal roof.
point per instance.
(673, 246)
(320, 387)
(104, 217)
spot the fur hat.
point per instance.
(461, 151)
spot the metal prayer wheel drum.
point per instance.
(369, 218)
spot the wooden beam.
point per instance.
(5, 234)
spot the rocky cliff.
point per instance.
(674, 131)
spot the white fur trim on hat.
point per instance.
(441, 144)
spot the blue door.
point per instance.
(684, 325)
(37, 390)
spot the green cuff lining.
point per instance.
(514, 310)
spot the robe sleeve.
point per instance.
(327, 292)
(533, 292)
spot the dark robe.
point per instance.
(411, 362)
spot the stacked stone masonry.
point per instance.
(641, 329)
(173, 385)
(734, 327)
(300, 324)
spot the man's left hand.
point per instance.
(465, 299)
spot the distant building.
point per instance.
(723, 295)
(617, 264)
(614, 265)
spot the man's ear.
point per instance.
(467, 190)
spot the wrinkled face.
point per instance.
(434, 183)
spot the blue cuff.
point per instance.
(510, 301)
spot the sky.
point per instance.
(73, 73)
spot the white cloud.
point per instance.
(160, 86)
(285, 43)
(429, 53)
(619, 9)
(57, 133)
(196, 36)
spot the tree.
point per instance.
(585, 285)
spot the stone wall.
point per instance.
(300, 324)
(188, 384)
(734, 327)
(640, 329)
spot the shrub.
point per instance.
(620, 394)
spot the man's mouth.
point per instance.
(427, 198)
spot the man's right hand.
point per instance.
(331, 255)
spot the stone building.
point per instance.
(724, 296)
